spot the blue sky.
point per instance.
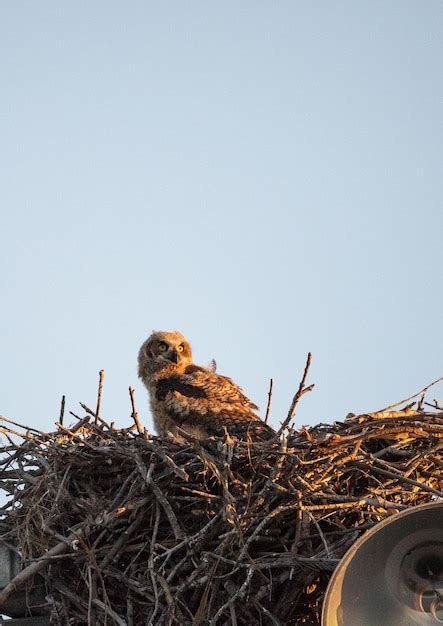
(265, 177)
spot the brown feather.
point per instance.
(194, 398)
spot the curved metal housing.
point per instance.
(393, 575)
(27, 605)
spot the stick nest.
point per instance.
(128, 528)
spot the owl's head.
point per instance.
(164, 350)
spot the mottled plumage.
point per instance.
(193, 398)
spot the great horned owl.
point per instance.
(193, 398)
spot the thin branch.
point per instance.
(3, 418)
(96, 417)
(205, 531)
(99, 394)
(25, 574)
(268, 407)
(419, 393)
(134, 413)
(62, 410)
(300, 392)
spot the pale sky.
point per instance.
(265, 177)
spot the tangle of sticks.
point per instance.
(128, 528)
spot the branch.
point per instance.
(300, 392)
(268, 407)
(99, 394)
(422, 391)
(134, 413)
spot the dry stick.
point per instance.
(300, 392)
(317, 525)
(422, 391)
(401, 478)
(99, 394)
(80, 424)
(30, 438)
(32, 569)
(96, 417)
(75, 437)
(420, 403)
(317, 504)
(434, 405)
(199, 615)
(147, 477)
(124, 538)
(60, 548)
(62, 410)
(92, 588)
(392, 415)
(274, 475)
(264, 610)
(268, 407)
(3, 418)
(187, 541)
(134, 413)
(280, 509)
(160, 452)
(108, 611)
(238, 594)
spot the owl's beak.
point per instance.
(172, 356)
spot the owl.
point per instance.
(193, 398)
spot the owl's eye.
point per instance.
(180, 348)
(162, 346)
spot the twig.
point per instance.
(147, 476)
(401, 478)
(134, 413)
(96, 417)
(3, 418)
(268, 407)
(108, 611)
(419, 393)
(20, 579)
(99, 394)
(104, 518)
(176, 531)
(300, 392)
(82, 422)
(434, 405)
(62, 410)
(238, 594)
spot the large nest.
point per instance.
(128, 528)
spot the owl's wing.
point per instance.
(200, 397)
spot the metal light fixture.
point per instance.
(393, 575)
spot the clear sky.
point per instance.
(265, 177)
